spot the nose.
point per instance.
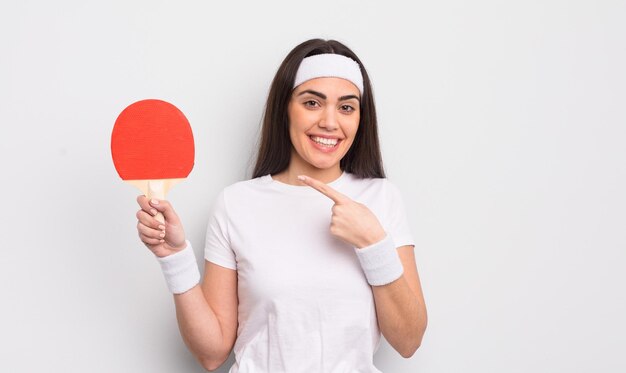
(329, 120)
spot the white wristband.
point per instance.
(180, 270)
(380, 262)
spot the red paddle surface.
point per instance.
(152, 140)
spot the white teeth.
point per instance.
(323, 141)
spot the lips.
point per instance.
(324, 140)
(325, 144)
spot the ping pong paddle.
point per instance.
(152, 147)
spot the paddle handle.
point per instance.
(156, 189)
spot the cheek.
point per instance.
(292, 125)
(297, 121)
(293, 137)
(350, 130)
(352, 127)
(295, 130)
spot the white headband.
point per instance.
(329, 66)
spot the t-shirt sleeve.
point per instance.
(398, 224)
(217, 247)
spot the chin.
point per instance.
(322, 166)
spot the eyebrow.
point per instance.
(323, 96)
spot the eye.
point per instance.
(347, 108)
(311, 104)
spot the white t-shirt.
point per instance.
(304, 302)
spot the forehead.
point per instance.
(331, 87)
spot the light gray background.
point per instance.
(502, 123)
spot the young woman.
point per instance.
(308, 262)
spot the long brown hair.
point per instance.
(363, 159)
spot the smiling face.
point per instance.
(324, 116)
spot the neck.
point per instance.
(290, 175)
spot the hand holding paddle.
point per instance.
(351, 221)
(152, 148)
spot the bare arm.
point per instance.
(400, 307)
(207, 316)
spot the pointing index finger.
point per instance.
(324, 189)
